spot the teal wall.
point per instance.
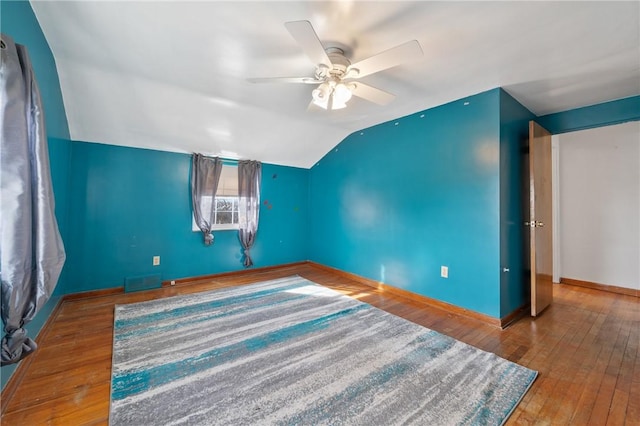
(396, 201)
(128, 205)
(604, 114)
(366, 218)
(18, 21)
(514, 134)
(60, 161)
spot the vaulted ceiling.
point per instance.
(173, 75)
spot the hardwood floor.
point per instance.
(585, 347)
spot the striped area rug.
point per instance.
(291, 352)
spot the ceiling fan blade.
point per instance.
(306, 36)
(371, 93)
(304, 80)
(389, 58)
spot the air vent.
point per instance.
(142, 282)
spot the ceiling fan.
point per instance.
(336, 76)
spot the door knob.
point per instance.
(534, 224)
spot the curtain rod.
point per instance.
(227, 161)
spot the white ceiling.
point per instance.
(172, 75)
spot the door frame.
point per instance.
(555, 207)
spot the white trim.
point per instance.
(555, 205)
(225, 227)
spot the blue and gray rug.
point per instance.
(291, 352)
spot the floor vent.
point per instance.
(142, 282)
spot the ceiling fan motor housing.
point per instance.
(338, 60)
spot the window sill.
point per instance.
(222, 228)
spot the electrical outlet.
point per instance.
(173, 282)
(156, 260)
(444, 271)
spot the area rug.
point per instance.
(291, 352)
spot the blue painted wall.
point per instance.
(396, 201)
(128, 205)
(604, 114)
(514, 134)
(19, 22)
(60, 161)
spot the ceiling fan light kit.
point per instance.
(334, 72)
(331, 95)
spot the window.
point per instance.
(225, 213)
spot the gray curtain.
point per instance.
(205, 174)
(249, 176)
(31, 249)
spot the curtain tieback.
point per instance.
(247, 261)
(208, 238)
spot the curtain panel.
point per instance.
(31, 250)
(249, 178)
(205, 175)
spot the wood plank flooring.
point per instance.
(585, 347)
